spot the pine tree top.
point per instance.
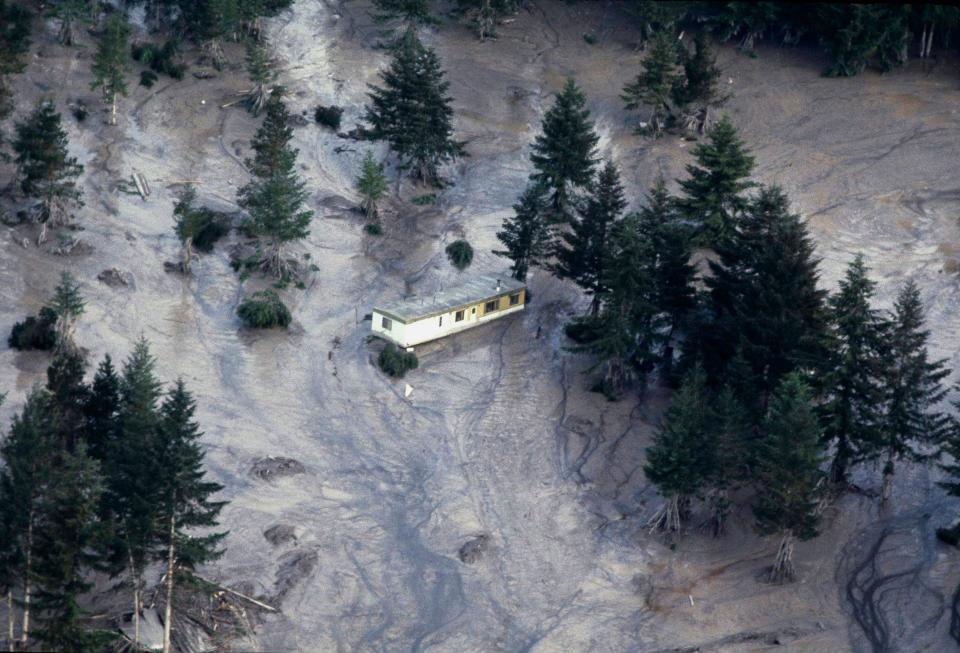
(14, 37)
(111, 59)
(67, 302)
(41, 150)
(371, 182)
(566, 150)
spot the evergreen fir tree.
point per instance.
(102, 412)
(627, 334)
(854, 34)
(66, 535)
(67, 304)
(69, 13)
(912, 386)
(485, 15)
(526, 237)
(564, 155)
(728, 452)
(110, 62)
(678, 462)
(14, 45)
(699, 91)
(69, 395)
(274, 198)
(788, 461)
(713, 195)
(670, 239)
(655, 86)
(412, 112)
(371, 184)
(748, 20)
(27, 453)
(852, 414)
(46, 170)
(130, 470)
(584, 249)
(402, 13)
(260, 74)
(184, 497)
(764, 297)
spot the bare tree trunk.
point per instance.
(25, 628)
(113, 110)
(171, 562)
(886, 489)
(11, 643)
(135, 578)
(783, 570)
(42, 238)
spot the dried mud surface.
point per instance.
(500, 441)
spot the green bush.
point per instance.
(264, 310)
(159, 58)
(424, 200)
(373, 228)
(395, 362)
(213, 227)
(328, 116)
(460, 254)
(147, 78)
(35, 332)
(590, 39)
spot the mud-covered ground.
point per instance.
(500, 437)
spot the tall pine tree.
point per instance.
(14, 45)
(274, 198)
(713, 194)
(655, 86)
(564, 155)
(788, 462)
(913, 388)
(678, 462)
(46, 169)
(68, 305)
(527, 235)
(184, 497)
(852, 412)
(584, 250)
(412, 111)
(69, 13)
(371, 184)
(110, 62)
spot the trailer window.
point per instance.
(386, 324)
(458, 317)
(490, 306)
(515, 299)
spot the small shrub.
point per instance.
(590, 39)
(35, 332)
(373, 228)
(424, 200)
(460, 254)
(148, 78)
(328, 116)
(79, 112)
(159, 58)
(264, 310)
(397, 363)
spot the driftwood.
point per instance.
(141, 185)
(259, 604)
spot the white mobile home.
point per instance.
(414, 320)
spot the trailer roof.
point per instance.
(478, 289)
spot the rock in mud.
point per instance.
(272, 467)
(115, 278)
(175, 267)
(295, 567)
(473, 549)
(280, 534)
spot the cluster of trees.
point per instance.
(778, 378)
(105, 476)
(854, 35)
(482, 15)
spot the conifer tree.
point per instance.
(110, 62)
(950, 446)
(764, 297)
(678, 462)
(913, 388)
(748, 20)
(699, 91)
(584, 250)
(655, 86)
(102, 412)
(14, 45)
(69, 13)
(68, 305)
(371, 184)
(728, 453)
(526, 237)
(485, 15)
(412, 111)
(69, 396)
(260, 74)
(670, 239)
(46, 170)
(713, 195)
(184, 496)
(27, 453)
(402, 13)
(274, 198)
(130, 470)
(564, 155)
(627, 334)
(66, 536)
(788, 462)
(852, 414)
